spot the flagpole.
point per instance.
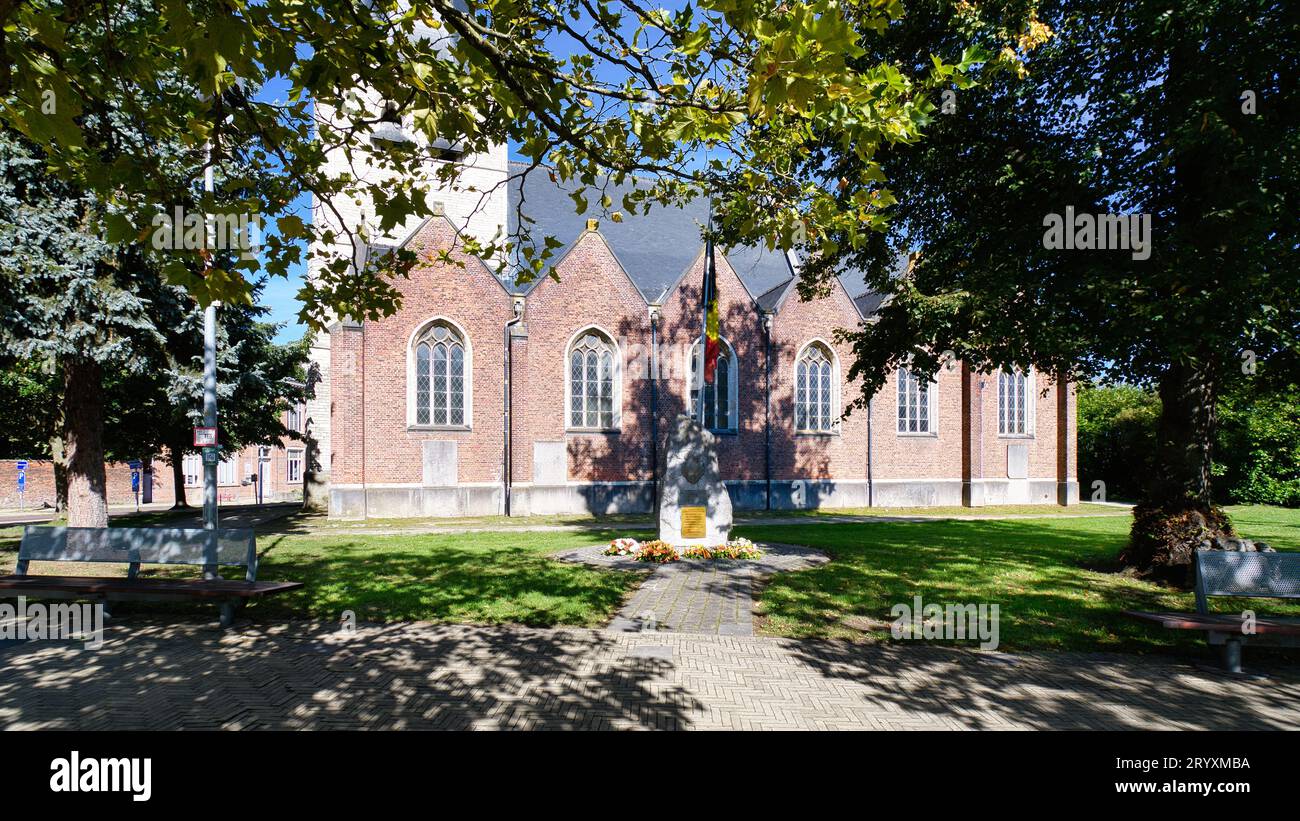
(704, 324)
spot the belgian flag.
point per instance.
(710, 311)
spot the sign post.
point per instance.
(22, 483)
(135, 466)
(205, 439)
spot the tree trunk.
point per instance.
(177, 452)
(1177, 513)
(59, 460)
(83, 425)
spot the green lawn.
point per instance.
(480, 578)
(940, 512)
(1049, 577)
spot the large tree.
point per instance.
(70, 304)
(153, 410)
(597, 89)
(1185, 112)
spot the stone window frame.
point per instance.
(909, 383)
(1025, 413)
(418, 335)
(733, 385)
(833, 412)
(616, 389)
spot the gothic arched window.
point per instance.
(720, 412)
(816, 391)
(442, 376)
(594, 386)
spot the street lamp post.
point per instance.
(209, 374)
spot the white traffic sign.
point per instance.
(205, 437)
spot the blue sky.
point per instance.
(279, 294)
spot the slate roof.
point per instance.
(655, 248)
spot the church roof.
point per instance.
(655, 248)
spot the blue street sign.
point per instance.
(22, 465)
(135, 481)
(134, 464)
(22, 480)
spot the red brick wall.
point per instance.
(40, 483)
(993, 446)
(916, 456)
(469, 296)
(839, 455)
(592, 291)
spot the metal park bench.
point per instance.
(210, 549)
(1240, 575)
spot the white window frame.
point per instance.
(293, 456)
(294, 417)
(192, 467)
(834, 404)
(230, 467)
(733, 381)
(909, 384)
(1009, 412)
(412, 410)
(617, 387)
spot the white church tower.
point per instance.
(475, 204)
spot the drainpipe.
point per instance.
(871, 488)
(365, 490)
(654, 399)
(507, 401)
(767, 409)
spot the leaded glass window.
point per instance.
(815, 390)
(441, 381)
(593, 382)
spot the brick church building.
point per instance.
(479, 397)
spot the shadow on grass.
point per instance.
(479, 578)
(1036, 571)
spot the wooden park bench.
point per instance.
(1240, 575)
(133, 546)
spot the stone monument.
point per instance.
(694, 508)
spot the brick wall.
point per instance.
(471, 299)
(158, 480)
(40, 483)
(369, 380)
(592, 292)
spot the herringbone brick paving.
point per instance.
(153, 675)
(694, 596)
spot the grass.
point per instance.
(941, 512)
(1049, 578)
(484, 578)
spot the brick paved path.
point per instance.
(694, 596)
(151, 675)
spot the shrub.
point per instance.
(1117, 437)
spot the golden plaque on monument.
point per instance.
(693, 525)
